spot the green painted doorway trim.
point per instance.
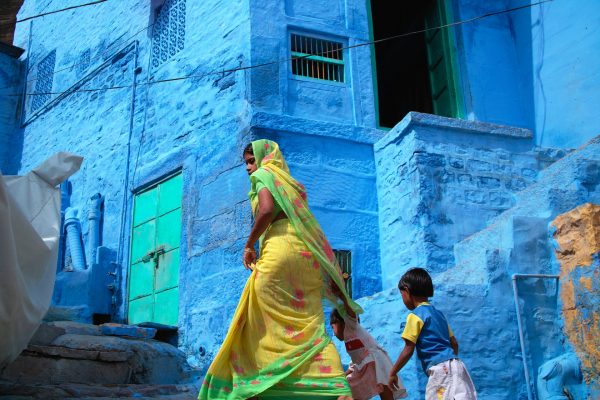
(153, 271)
(374, 68)
(441, 45)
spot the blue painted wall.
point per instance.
(10, 86)
(482, 244)
(135, 135)
(565, 46)
(534, 68)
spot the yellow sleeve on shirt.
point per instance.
(413, 327)
(450, 331)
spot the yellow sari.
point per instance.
(276, 346)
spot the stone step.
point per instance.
(72, 353)
(14, 391)
(511, 241)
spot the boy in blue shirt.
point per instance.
(428, 331)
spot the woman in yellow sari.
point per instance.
(276, 346)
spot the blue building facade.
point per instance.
(159, 98)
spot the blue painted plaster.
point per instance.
(10, 86)
(565, 46)
(133, 136)
(535, 68)
(475, 292)
(440, 180)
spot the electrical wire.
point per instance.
(101, 56)
(285, 60)
(61, 10)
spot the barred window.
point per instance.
(43, 84)
(344, 258)
(317, 58)
(168, 33)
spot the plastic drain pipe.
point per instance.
(73, 228)
(520, 324)
(94, 216)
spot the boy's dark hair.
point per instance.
(335, 318)
(418, 282)
(248, 149)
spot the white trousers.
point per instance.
(450, 380)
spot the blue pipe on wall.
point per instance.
(520, 324)
(94, 216)
(65, 202)
(73, 228)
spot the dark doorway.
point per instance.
(401, 64)
(407, 68)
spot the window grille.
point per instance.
(344, 258)
(168, 33)
(43, 84)
(84, 62)
(317, 58)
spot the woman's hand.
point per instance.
(249, 258)
(336, 290)
(393, 382)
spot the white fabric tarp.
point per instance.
(29, 239)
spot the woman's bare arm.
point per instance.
(263, 218)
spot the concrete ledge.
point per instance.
(286, 123)
(80, 390)
(421, 120)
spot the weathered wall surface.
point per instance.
(143, 130)
(134, 130)
(476, 291)
(275, 89)
(565, 72)
(541, 71)
(494, 87)
(440, 180)
(10, 87)
(577, 235)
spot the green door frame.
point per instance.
(452, 76)
(374, 68)
(154, 253)
(450, 44)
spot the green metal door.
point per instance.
(154, 265)
(441, 62)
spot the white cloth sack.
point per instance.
(29, 238)
(450, 380)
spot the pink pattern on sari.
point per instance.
(325, 369)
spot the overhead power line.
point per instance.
(61, 10)
(285, 60)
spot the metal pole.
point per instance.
(520, 324)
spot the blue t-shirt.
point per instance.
(429, 330)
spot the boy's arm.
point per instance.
(407, 352)
(454, 344)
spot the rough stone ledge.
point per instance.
(9, 390)
(79, 354)
(335, 130)
(414, 119)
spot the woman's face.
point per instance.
(250, 163)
